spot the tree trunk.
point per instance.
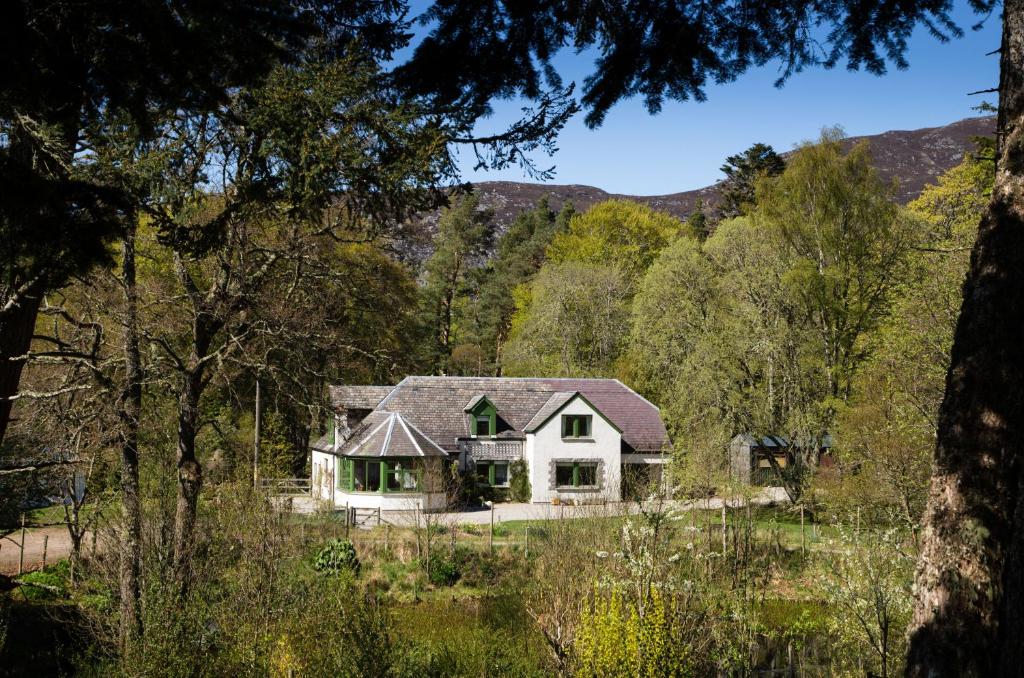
(969, 586)
(17, 326)
(129, 414)
(190, 479)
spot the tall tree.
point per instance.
(519, 254)
(464, 234)
(622, 233)
(849, 241)
(69, 63)
(742, 171)
(569, 321)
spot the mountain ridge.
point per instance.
(914, 158)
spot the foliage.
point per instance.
(615, 639)
(444, 571)
(487, 314)
(650, 52)
(463, 235)
(742, 172)
(850, 244)
(519, 482)
(338, 555)
(568, 322)
(886, 436)
(620, 233)
(868, 586)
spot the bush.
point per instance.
(338, 555)
(443, 570)
(519, 482)
(44, 585)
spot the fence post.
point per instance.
(803, 539)
(527, 551)
(21, 556)
(46, 543)
(378, 516)
(490, 542)
(723, 527)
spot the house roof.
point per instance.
(358, 397)
(436, 405)
(556, 402)
(326, 442)
(388, 434)
(779, 441)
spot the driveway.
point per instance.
(55, 537)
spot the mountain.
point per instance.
(913, 157)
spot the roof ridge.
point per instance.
(368, 435)
(387, 436)
(401, 420)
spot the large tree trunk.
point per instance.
(130, 412)
(190, 479)
(17, 325)
(969, 589)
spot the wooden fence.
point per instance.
(285, 486)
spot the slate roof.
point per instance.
(358, 397)
(777, 441)
(326, 442)
(388, 434)
(435, 405)
(554, 403)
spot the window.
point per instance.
(366, 475)
(344, 474)
(563, 475)
(493, 473)
(402, 476)
(576, 425)
(500, 473)
(580, 474)
(483, 425)
(374, 475)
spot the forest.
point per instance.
(184, 246)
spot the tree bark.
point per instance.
(969, 582)
(190, 479)
(17, 326)
(129, 414)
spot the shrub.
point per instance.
(519, 482)
(443, 570)
(43, 585)
(338, 555)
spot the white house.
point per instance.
(582, 440)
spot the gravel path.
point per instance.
(55, 537)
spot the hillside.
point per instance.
(912, 157)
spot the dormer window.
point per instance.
(483, 417)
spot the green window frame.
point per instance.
(576, 474)
(577, 425)
(496, 473)
(483, 419)
(376, 476)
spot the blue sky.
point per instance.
(683, 146)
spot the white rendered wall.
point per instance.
(322, 473)
(432, 501)
(546, 444)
